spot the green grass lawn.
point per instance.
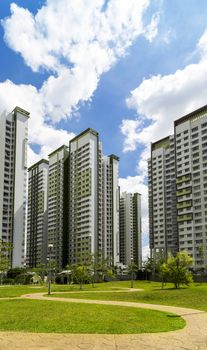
(59, 317)
(16, 291)
(46, 316)
(194, 296)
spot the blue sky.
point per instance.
(125, 68)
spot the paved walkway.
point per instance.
(192, 337)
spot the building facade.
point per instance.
(37, 214)
(58, 206)
(110, 207)
(130, 229)
(162, 197)
(190, 181)
(85, 195)
(13, 182)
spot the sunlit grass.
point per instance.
(59, 317)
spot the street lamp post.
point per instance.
(50, 246)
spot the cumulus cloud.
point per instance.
(41, 134)
(75, 43)
(162, 99)
(152, 29)
(129, 129)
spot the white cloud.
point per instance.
(28, 97)
(162, 99)
(152, 28)
(75, 42)
(129, 129)
(202, 45)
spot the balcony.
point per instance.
(184, 191)
(186, 217)
(185, 204)
(183, 178)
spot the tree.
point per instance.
(101, 267)
(80, 273)
(41, 270)
(176, 269)
(164, 273)
(201, 254)
(132, 269)
(5, 248)
(161, 266)
(147, 266)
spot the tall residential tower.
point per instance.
(13, 181)
(110, 208)
(37, 214)
(58, 206)
(130, 229)
(186, 171)
(85, 196)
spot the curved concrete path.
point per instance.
(192, 337)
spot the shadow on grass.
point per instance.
(159, 289)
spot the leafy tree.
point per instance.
(5, 248)
(12, 273)
(176, 268)
(201, 254)
(41, 270)
(147, 266)
(161, 267)
(132, 269)
(164, 273)
(80, 273)
(101, 267)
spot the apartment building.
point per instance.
(58, 205)
(162, 197)
(190, 179)
(130, 229)
(13, 181)
(110, 190)
(37, 214)
(85, 195)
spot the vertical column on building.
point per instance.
(58, 205)
(37, 214)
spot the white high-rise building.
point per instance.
(85, 196)
(13, 181)
(37, 214)
(130, 229)
(110, 190)
(178, 171)
(162, 197)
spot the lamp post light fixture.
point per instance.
(50, 246)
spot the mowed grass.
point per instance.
(17, 291)
(194, 296)
(59, 317)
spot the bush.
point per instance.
(8, 281)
